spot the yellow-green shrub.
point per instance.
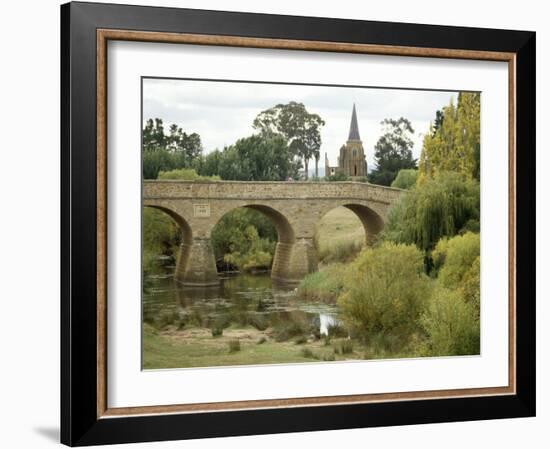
(451, 324)
(385, 292)
(454, 258)
(470, 285)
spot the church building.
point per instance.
(351, 161)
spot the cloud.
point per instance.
(222, 111)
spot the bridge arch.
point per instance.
(186, 231)
(372, 222)
(286, 238)
(182, 256)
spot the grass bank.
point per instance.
(339, 236)
(196, 347)
(324, 285)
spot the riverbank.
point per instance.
(196, 347)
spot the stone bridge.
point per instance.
(294, 208)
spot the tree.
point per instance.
(256, 158)
(153, 135)
(163, 152)
(179, 141)
(244, 238)
(451, 325)
(456, 262)
(161, 160)
(300, 129)
(454, 258)
(209, 165)
(439, 116)
(385, 293)
(393, 151)
(405, 179)
(453, 143)
(442, 206)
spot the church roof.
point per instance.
(354, 127)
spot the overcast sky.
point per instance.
(222, 112)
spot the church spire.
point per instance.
(354, 127)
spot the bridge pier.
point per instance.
(196, 264)
(293, 261)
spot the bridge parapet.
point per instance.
(157, 189)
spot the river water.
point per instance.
(240, 300)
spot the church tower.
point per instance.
(352, 161)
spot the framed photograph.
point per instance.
(282, 224)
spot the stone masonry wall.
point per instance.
(294, 207)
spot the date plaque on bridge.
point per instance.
(201, 210)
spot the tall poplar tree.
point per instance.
(453, 143)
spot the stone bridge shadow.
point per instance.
(293, 207)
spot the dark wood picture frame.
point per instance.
(86, 29)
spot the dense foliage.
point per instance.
(442, 206)
(386, 293)
(254, 158)
(338, 177)
(299, 128)
(388, 300)
(244, 238)
(451, 325)
(163, 152)
(405, 179)
(453, 141)
(390, 304)
(393, 151)
(185, 174)
(160, 237)
(456, 263)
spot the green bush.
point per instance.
(285, 330)
(162, 160)
(405, 179)
(245, 238)
(336, 330)
(217, 331)
(160, 236)
(234, 345)
(343, 347)
(167, 318)
(259, 321)
(452, 325)
(470, 285)
(338, 177)
(324, 285)
(309, 354)
(195, 318)
(254, 252)
(455, 257)
(386, 293)
(186, 174)
(300, 340)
